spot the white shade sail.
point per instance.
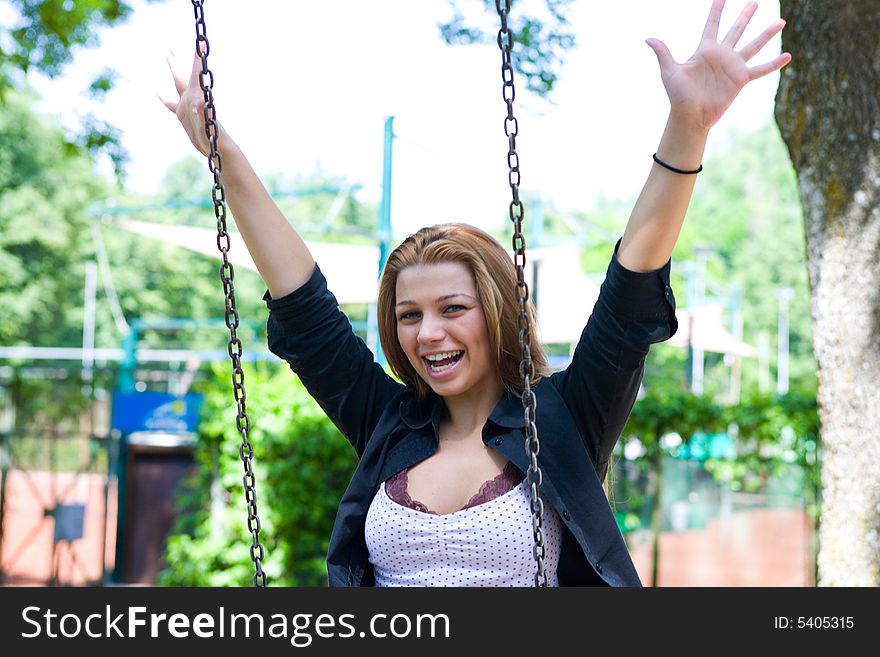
(352, 270)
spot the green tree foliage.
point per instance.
(57, 214)
(745, 213)
(45, 186)
(326, 208)
(47, 194)
(186, 182)
(43, 35)
(540, 38)
(157, 281)
(772, 433)
(46, 32)
(302, 466)
(45, 191)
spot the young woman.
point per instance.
(439, 496)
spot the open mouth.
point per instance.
(442, 362)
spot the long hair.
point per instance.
(495, 278)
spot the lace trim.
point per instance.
(396, 489)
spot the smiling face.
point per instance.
(488, 275)
(442, 329)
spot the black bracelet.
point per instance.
(673, 169)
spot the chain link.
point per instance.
(526, 367)
(227, 274)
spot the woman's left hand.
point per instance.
(703, 87)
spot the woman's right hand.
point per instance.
(190, 105)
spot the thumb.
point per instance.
(664, 57)
(167, 102)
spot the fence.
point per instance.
(57, 510)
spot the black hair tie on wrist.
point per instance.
(674, 169)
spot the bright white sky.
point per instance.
(305, 86)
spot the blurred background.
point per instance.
(118, 440)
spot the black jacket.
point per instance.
(581, 412)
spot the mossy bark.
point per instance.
(828, 112)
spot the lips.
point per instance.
(440, 362)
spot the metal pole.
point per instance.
(536, 234)
(763, 362)
(117, 466)
(125, 383)
(104, 578)
(88, 357)
(697, 360)
(385, 209)
(129, 360)
(736, 322)
(53, 494)
(384, 231)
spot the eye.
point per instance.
(454, 308)
(408, 316)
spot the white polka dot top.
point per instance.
(489, 544)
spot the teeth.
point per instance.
(443, 356)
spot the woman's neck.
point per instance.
(466, 414)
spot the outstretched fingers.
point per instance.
(750, 50)
(765, 69)
(167, 102)
(196, 72)
(710, 32)
(179, 84)
(739, 26)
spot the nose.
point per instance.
(430, 329)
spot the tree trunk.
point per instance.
(827, 111)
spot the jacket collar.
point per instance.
(508, 412)
(418, 413)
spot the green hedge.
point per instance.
(302, 465)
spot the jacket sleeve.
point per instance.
(307, 329)
(599, 386)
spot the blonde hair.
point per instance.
(495, 278)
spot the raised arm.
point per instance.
(699, 90)
(307, 329)
(281, 256)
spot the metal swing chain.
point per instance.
(526, 367)
(227, 274)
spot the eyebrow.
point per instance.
(407, 302)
